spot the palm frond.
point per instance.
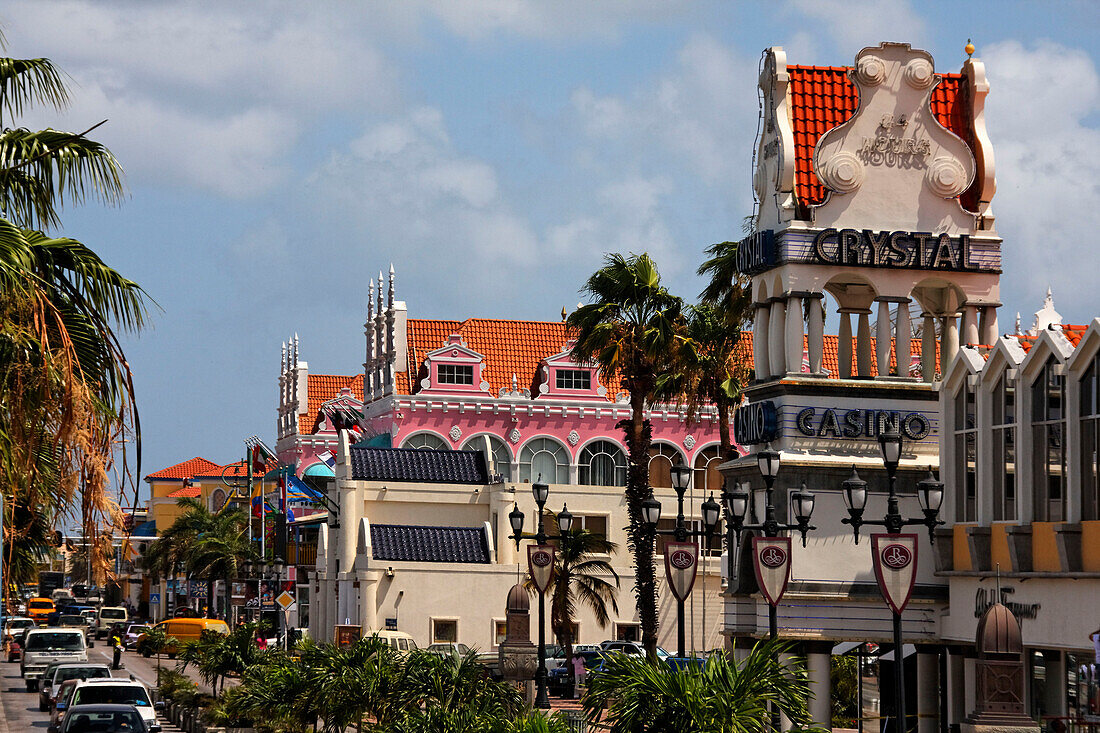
(27, 81)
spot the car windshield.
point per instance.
(55, 642)
(138, 629)
(112, 613)
(76, 673)
(115, 721)
(111, 695)
(70, 621)
(40, 604)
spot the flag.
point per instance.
(297, 491)
(259, 460)
(328, 459)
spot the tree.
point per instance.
(216, 655)
(155, 642)
(632, 329)
(579, 577)
(449, 692)
(220, 551)
(635, 695)
(66, 391)
(713, 372)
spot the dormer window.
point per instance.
(456, 374)
(574, 379)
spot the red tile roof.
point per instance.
(823, 97)
(186, 492)
(830, 360)
(1073, 334)
(509, 347)
(324, 387)
(237, 469)
(194, 467)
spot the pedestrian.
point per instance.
(116, 642)
(579, 672)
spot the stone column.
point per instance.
(818, 658)
(949, 341)
(863, 343)
(987, 325)
(956, 688)
(777, 325)
(760, 341)
(1054, 696)
(970, 685)
(970, 325)
(368, 600)
(815, 334)
(844, 345)
(928, 678)
(501, 503)
(928, 347)
(883, 338)
(794, 334)
(903, 338)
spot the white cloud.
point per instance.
(1047, 155)
(854, 24)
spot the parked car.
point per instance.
(43, 646)
(631, 647)
(133, 631)
(60, 703)
(559, 681)
(106, 719)
(59, 672)
(183, 630)
(399, 640)
(447, 649)
(114, 691)
(14, 626)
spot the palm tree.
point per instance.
(275, 692)
(66, 392)
(713, 372)
(632, 329)
(155, 642)
(579, 577)
(220, 551)
(720, 696)
(452, 693)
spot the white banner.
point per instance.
(681, 564)
(540, 563)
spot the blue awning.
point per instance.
(319, 470)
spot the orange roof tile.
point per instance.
(186, 492)
(509, 347)
(185, 470)
(237, 469)
(1074, 333)
(830, 360)
(324, 387)
(823, 97)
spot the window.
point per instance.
(628, 632)
(573, 379)
(425, 441)
(495, 449)
(500, 632)
(662, 457)
(546, 458)
(455, 374)
(594, 523)
(966, 454)
(708, 545)
(1004, 449)
(602, 463)
(1048, 396)
(444, 631)
(706, 476)
(217, 500)
(1090, 441)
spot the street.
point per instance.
(19, 708)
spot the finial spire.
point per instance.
(969, 48)
(564, 313)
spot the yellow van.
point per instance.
(183, 630)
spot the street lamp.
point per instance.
(651, 513)
(540, 492)
(930, 495)
(737, 504)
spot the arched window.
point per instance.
(707, 477)
(494, 448)
(662, 457)
(425, 441)
(544, 457)
(602, 463)
(217, 500)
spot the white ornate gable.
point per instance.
(893, 165)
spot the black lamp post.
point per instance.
(737, 504)
(541, 492)
(930, 494)
(651, 513)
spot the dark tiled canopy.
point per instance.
(429, 544)
(419, 465)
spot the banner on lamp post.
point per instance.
(681, 564)
(894, 557)
(540, 563)
(771, 561)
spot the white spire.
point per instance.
(1045, 316)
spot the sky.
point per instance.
(278, 155)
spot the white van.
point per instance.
(398, 640)
(107, 617)
(43, 646)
